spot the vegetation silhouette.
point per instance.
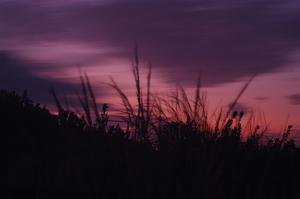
(169, 150)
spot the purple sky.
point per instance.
(42, 42)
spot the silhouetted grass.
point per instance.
(171, 150)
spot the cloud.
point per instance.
(17, 75)
(262, 98)
(181, 38)
(241, 107)
(294, 99)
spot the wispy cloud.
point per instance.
(294, 99)
(262, 98)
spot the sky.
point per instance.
(44, 42)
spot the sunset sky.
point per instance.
(43, 42)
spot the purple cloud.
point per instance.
(294, 99)
(262, 98)
(223, 41)
(241, 107)
(16, 75)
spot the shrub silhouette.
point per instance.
(26, 125)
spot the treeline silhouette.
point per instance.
(169, 150)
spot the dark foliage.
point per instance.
(48, 156)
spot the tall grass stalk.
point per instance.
(237, 98)
(88, 99)
(140, 121)
(84, 100)
(175, 109)
(61, 113)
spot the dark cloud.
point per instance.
(16, 75)
(181, 38)
(241, 107)
(262, 98)
(294, 99)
